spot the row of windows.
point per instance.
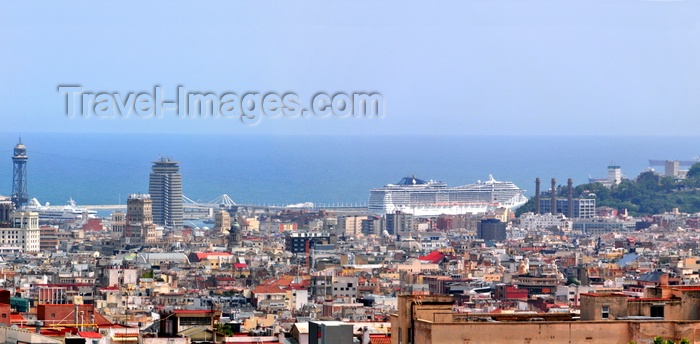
(18, 237)
(20, 232)
(654, 311)
(195, 321)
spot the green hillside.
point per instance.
(647, 194)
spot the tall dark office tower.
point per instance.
(19, 176)
(491, 230)
(165, 188)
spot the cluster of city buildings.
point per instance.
(568, 272)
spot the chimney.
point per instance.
(537, 196)
(570, 201)
(553, 201)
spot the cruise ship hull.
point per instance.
(69, 212)
(439, 209)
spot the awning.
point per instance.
(128, 338)
(125, 339)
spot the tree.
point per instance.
(226, 329)
(694, 171)
(647, 194)
(529, 206)
(596, 190)
(659, 340)
(648, 181)
(692, 178)
(668, 183)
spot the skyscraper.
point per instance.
(19, 176)
(165, 188)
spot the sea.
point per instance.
(101, 168)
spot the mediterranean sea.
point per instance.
(105, 168)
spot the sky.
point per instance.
(463, 67)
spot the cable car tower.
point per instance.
(19, 176)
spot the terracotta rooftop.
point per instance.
(604, 294)
(90, 335)
(17, 318)
(192, 311)
(268, 289)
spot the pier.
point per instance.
(203, 210)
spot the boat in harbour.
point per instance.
(432, 198)
(68, 212)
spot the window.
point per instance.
(195, 321)
(656, 311)
(605, 312)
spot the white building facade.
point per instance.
(23, 235)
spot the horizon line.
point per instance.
(12, 132)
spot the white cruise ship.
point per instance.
(431, 198)
(66, 212)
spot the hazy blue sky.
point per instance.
(457, 67)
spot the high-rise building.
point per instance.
(296, 242)
(20, 196)
(222, 222)
(23, 233)
(140, 228)
(398, 223)
(118, 223)
(48, 238)
(491, 230)
(672, 168)
(374, 224)
(582, 207)
(5, 210)
(614, 174)
(165, 188)
(350, 225)
(614, 177)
